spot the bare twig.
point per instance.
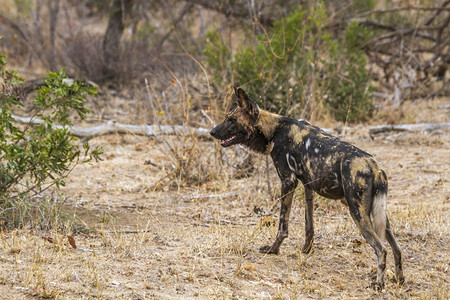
(208, 117)
(441, 8)
(407, 8)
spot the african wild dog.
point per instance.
(325, 165)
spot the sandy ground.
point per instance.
(144, 232)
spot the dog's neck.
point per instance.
(267, 123)
(261, 139)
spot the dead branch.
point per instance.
(405, 8)
(374, 23)
(234, 9)
(175, 23)
(410, 61)
(14, 26)
(131, 231)
(408, 127)
(113, 127)
(210, 196)
(31, 85)
(440, 9)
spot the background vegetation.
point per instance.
(298, 68)
(312, 59)
(177, 216)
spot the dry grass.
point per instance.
(144, 243)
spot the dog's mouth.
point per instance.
(228, 142)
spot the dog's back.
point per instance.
(318, 159)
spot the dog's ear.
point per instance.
(247, 104)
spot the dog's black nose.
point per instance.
(213, 132)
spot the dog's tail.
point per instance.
(379, 214)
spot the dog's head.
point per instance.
(239, 123)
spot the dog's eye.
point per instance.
(232, 120)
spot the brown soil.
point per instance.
(155, 236)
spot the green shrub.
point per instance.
(298, 68)
(346, 77)
(218, 56)
(38, 155)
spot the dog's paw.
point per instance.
(400, 279)
(307, 248)
(268, 250)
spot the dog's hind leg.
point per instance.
(358, 206)
(397, 253)
(309, 226)
(357, 179)
(365, 226)
(287, 192)
(369, 234)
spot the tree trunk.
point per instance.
(53, 7)
(113, 35)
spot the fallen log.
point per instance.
(147, 130)
(408, 127)
(112, 127)
(209, 196)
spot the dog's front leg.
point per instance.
(287, 192)
(309, 227)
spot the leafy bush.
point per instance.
(298, 68)
(346, 77)
(218, 55)
(38, 155)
